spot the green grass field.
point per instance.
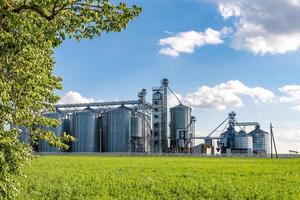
(92, 177)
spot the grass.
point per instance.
(92, 177)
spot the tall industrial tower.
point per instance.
(159, 140)
(164, 121)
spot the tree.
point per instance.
(29, 31)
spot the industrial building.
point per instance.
(234, 141)
(137, 126)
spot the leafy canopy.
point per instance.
(29, 30)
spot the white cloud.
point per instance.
(291, 95)
(214, 98)
(287, 139)
(173, 101)
(74, 97)
(225, 95)
(296, 108)
(264, 26)
(186, 42)
(228, 10)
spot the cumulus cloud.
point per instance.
(262, 27)
(227, 94)
(296, 108)
(228, 10)
(291, 95)
(221, 96)
(173, 101)
(186, 42)
(287, 139)
(74, 97)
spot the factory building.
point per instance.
(141, 127)
(233, 141)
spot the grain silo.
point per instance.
(136, 127)
(43, 146)
(85, 130)
(103, 132)
(119, 129)
(24, 135)
(261, 141)
(243, 143)
(226, 140)
(180, 120)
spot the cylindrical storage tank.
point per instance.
(136, 127)
(67, 128)
(243, 141)
(67, 122)
(103, 132)
(119, 129)
(85, 130)
(43, 145)
(180, 119)
(24, 135)
(261, 141)
(227, 140)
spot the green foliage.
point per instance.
(29, 30)
(93, 177)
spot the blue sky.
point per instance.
(116, 66)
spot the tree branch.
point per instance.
(33, 8)
(54, 10)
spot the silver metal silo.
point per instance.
(227, 139)
(67, 128)
(85, 130)
(24, 135)
(261, 141)
(103, 129)
(180, 119)
(243, 141)
(119, 129)
(136, 127)
(43, 145)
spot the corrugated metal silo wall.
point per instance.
(67, 124)
(136, 126)
(85, 130)
(43, 146)
(145, 130)
(103, 132)
(261, 141)
(227, 139)
(24, 135)
(180, 119)
(119, 128)
(67, 128)
(243, 142)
